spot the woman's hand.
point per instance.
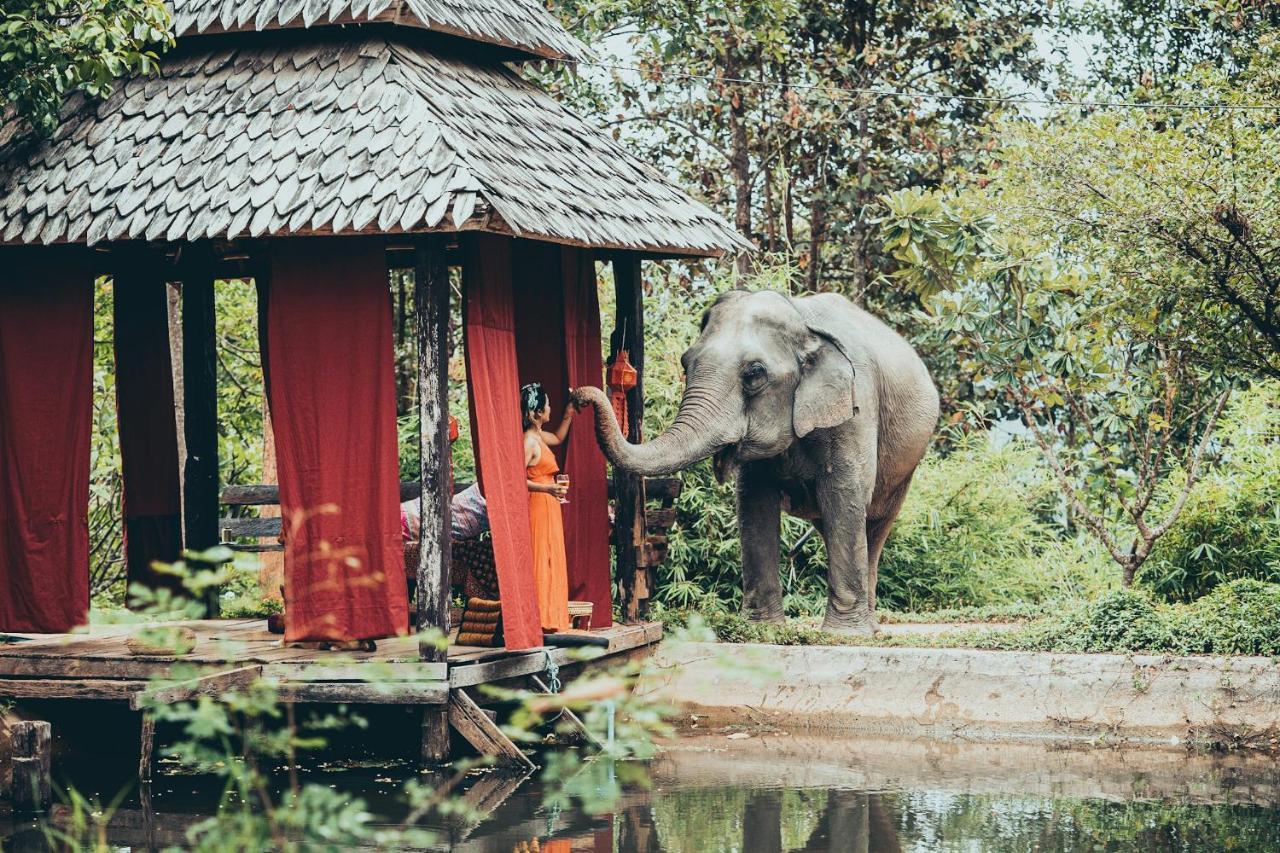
(557, 490)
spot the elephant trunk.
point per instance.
(688, 440)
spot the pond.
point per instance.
(758, 792)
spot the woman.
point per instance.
(550, 572)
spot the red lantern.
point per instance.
(453, 428)
(622, 378)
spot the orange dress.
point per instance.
(546, 523)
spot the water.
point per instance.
(718, 794)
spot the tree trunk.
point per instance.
(739, 154)
(817, 224)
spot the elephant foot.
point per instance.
(769, 615)
(864, 625)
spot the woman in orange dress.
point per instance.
(550, 570)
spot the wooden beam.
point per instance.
(470, 721)
(367, 693)
(265, 494)
(575, 722)
(70, 688)
(200, 405)
(431, 304)
(628, 489)
(30, 742)
(210, 684)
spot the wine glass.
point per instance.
(562, 480)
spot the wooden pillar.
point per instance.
(431, 305)
(146, 746)
(435, 735)
(200, 405)
(628, 519)
(31, 746)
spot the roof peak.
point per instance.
(525, 27)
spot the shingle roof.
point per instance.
(523, 25)
(374, 135)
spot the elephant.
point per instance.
(820, 410)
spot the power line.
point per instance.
(851, 91)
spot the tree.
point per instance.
(801, 151)
(1181, 202)
(49, 48)
(1138, 47)
(1110, 391)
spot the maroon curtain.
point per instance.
(495, 424)
(147, 423)
(46, 409)
(558, 344)
(586, 517)
(331, 390)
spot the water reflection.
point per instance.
(814, 795)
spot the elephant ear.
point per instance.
(824, 396)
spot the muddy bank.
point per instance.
(975, 695)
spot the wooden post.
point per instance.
(146, 746)
(200, 406)
(435, 735)
(431, 304)
(628, 518)
(30, 742)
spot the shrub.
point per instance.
(1230, 527)
(977, 530)
(1240, 617)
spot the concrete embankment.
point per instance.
(973, 694)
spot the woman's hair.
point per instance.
(532, 399)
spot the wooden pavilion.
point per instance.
(311, 145)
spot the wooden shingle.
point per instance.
(524, 27)
(357, 132)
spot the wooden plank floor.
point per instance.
(97, 664)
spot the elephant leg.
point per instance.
(760, 530)
(844, 520)
(878, 534)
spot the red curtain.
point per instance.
(558, 344)
(331, 389)
(494, 382)
(147, 424)
(586, 517)
(46, 409)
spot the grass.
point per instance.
(1238, 618)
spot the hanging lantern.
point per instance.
(622, 378)
(453, 428)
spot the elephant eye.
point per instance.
(754, 376)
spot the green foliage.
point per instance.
(49, 48)
(799, 162)
(1241, 617)
(1230, 527)
(976, 530)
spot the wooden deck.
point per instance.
(97, 664)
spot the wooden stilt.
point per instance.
(435, 736)
(146, 746)
(31, 743)
(200, 406)
(470, 721)
(628, 522)
(431, 301)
